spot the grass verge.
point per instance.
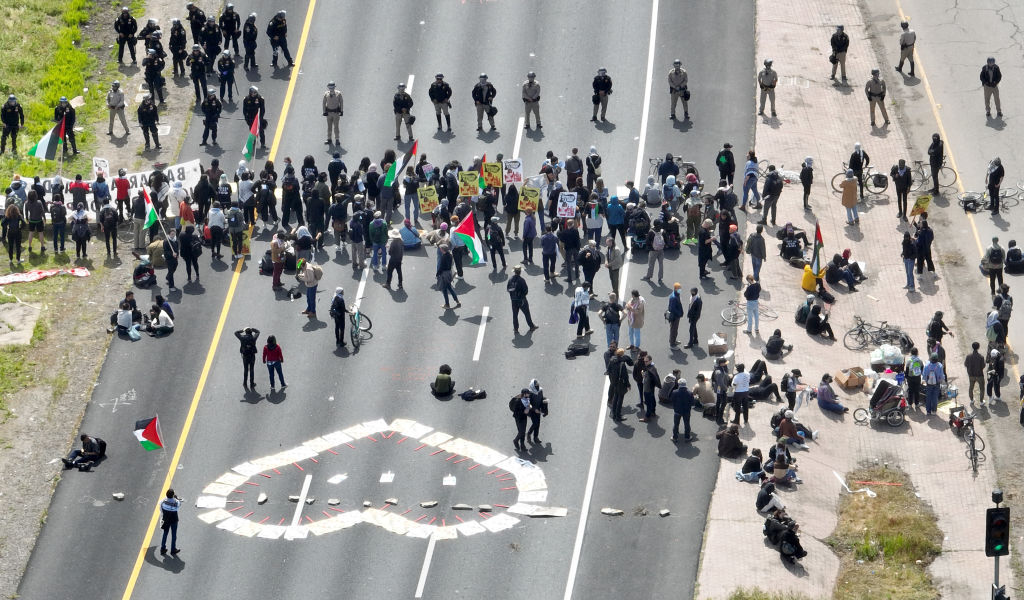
(758, 594)
(885, 544)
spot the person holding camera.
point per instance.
(169, 511)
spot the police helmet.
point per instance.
(195, 47)
(190, 4)
(330, 84)
(157, 33)
(602, 71)
(175, 21)
(147, 97)
(483, 76)
(875, 71)
(211, 90)
(210, 19)
(226, 53)
(151, 52)
(439, 76)
(252, 17)
(531, 75)
(229, 7)
(253, 90)
(12, 98)
(115, 84)
(401, 86)
(677, 62)
(63, 98)
(281, 13)
(767, 62)
(124, 9)
(839, 27)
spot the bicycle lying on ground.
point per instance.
(865, 334)
(360, 327)
(874, 180)
(685, 167)
(736, 312)
(979, 201)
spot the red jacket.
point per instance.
(122, 184)
(273, 355)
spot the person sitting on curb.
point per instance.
(729, 443)
(443, 386)
(776, 347)
(767, 501)
(827, 396)
(789, 433)
(752, 468)
(782, 465)
(93, 449)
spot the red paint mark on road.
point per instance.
(371, 438)
(421, 518)
(251, 483)
(239, 491)
(335, 509)
(474, 466)
(451, 457)
(492, 471)
(350, 445)
(485, 515)
(431, 522)
(247, 515)
(264, 520)
(236, 508)
(281, 521)
(461, 460)
(436, 452)
(459, 518)
(308, 519)
(297, 466)
(420, 447)
(326, 514)
(506, 479)
(402, 440)
(502, 505)
(314, 460)
(265, 475)
(407, 511)
(509, 488)
(332, 451)
(276, 471)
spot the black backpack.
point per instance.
(197, 246)
(577, 349)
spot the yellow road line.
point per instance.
(187, 427)
(952, 160)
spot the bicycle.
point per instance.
(979, 201)
(874, 180)
(685, 167)
(736, 312)
(864, 334)
(360, 327)
(923, 177)
(975, 445)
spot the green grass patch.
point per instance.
(759, 594)
(885, 544)
(16, 373)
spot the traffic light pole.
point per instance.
(998, 592)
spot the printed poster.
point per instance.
(566, 205)
(513, 172)
(428, 198)
(529, 198)
(492, 175)
(469, 183)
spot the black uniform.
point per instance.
(440, 94)
(517, 291)
(67, 112)
(211, 42)
(247, 338)
(176, 44)
(226, 71)
(154, 66)
(249, 35)
(519, 412)
(126, 27)
(726, 164)
(602, 89)
(211, 111)
(13, 119)
(254, 107)
(277, 31)
(196, 21)
(483, 94)
(149, 118)
(197, 69)
(145, 32)
(153, 43)
(230, 28)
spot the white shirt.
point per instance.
(741, 381)
(908, 38)
(164, 320)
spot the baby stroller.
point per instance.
(887, 402)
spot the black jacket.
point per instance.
(277, 28)
(902, 182)
(602, 83)
(484, 93)
(517, 288)
(936, 153)
(991, 77)
(149, 116)
(252, 106)
(67, 112)
(211, 108)
(401, 102)
(693, 312)
(840, 42)
(126, 28)
(859, 161)
(12, 115)
(440, 91)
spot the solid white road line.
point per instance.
(519, 137)
(480, 334)
(361, 289)
(588, 491)
(302, 500)
(426, 567)
(408, 84)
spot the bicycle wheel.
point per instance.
(836, 180)
(734, 314)
(1008, 202)
(871, 182)
(921, 179)
(972, 455)
(1008, 192)
(947, 177)
(353, 331)
(979, 444)
(855, 339)
(895, 418)
(364, 322)
(762, 167)
(861, 415)
(766, 312)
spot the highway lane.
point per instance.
(231, 427)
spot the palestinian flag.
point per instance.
(398, 166)
(480, 181)
(818, 244)
(147, 431)
(250, 142)
(151, 217)
(467, 233)
(46, 148)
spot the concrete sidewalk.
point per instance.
(820, 118)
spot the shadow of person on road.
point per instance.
(276, 396)
(535, 134)
(252, 397)
(169, 562)
(687, 449)
(540, 452)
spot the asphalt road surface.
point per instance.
(90, 542)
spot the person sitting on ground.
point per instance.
(789, 433)
(790, 248)
(123, 318)
(410, 236)
(729, 443)
(1014, 262)
(853, 267)
(164, 305)
(764, 389)
(782, 465)
(836, 272)
(144, 275)
(827, 396)
(160, 323)
(776, 346)
(443, 386)
(796, 232)
(781, 530)
(752, 468)
(804, 310)
(92, 450)
(818, 324)
(767, 501)
(702, 393)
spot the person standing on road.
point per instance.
(66, 113)
(254, 107)
(191, 244)
(593, 162)
(211, 41)
(444, 276)
(277, 31)
(602, 89)
(402, 104)
(673, 314)
(250, 35)
(611, 315)
(247, 338)
(840, 44)
(752, 295)
(990, 78)
(531, 99)
(196, 19)
(924, 238)
(230, 27)
(273, 357)
(440, 94)
(936, 158)
(859, 162)
(153, 67)
(720, 386)
(613, 261)
(756, 249)
(907, 40)
(974, 364)
(538, 409)
(682, 402)
(726, 163)
(618, 379)
(196, 62)
(226, 73)
(169, 512)
(483, 96)
(635, 308)
(13, 118)
(678, 81)
(849, 197)
(549, 253)
(767, 79)
(771, 191)
(909, 255)
(750, 175)
(993, 264)
(309, 274)
(996, 370)
(333, 108)
(520, 407)
(993, 179)
(580, 306)
(395, 254)
(115, 106)
(933, 376)
(211, 111)
(902, 179)
(651, 383)
(339, 312)
(171, 253)
(126, 27)
(517, 292)
(656, 254)
(741, 388)
(875, 91)
(692, 316)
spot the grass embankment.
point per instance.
(885, 544)
(757, 594)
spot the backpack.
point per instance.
(197, 246)
(108, 217)
(318, 272)
(476, 394)
(995, 257)
(1006, 309)
(234, 218)
(577, 349)
(267, 265)
(659, 241)
(802, 312)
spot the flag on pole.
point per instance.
(250, 142)
(480, 181)
(818, 243)
(46, 148)
(151, 217)
(147, 431)
(398, 166)
(466, 231)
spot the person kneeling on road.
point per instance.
(93, 449)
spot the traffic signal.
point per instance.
(997, 531)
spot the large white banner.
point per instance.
(187, 173)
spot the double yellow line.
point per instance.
(189, 419)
